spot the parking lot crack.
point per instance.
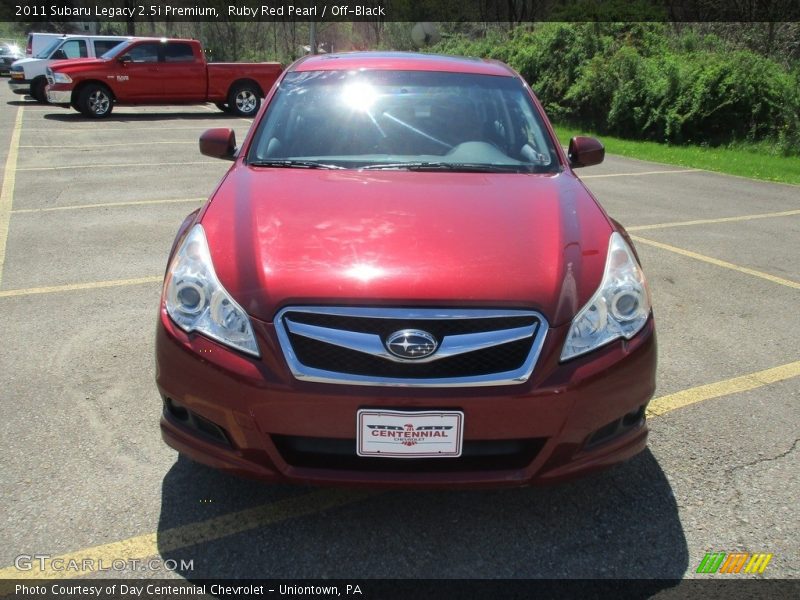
(767, 459)
(730, 475)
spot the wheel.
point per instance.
(244, 100)
(222, 106)
(37, 90)
(95, 101)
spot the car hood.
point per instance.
(281, 237)
(84, 63)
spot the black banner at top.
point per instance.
(509, 11)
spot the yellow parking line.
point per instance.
(665, 404)
(169, 540)
(104, 205)
(719, 263)
(122, 165)
(641, 173)
(7, 193)
(84, 146)
(784, 213)
(192, 534)
(91, 285)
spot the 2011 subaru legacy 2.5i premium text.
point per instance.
(401, 282)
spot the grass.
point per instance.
(753, 161)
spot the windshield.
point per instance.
(403, 120)
(118, 49)
(49, 50)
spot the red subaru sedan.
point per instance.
(401, 282)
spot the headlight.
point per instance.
(61, 78)
(196, 300)
(619, 308)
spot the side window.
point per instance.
(103, 46)
(178, 52)
(144, 53)
(73, 49)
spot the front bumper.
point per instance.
(252, 418)
(55, 95)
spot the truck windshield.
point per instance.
(50, 49)
(415, 120)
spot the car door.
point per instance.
(136, 74)
(184, 73)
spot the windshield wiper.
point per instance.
(286, 163)
(449, 166)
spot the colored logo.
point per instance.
(735, 562)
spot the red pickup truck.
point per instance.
(158, 71)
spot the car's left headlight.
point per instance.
(196, 300)
(619, 308)
(61, 78)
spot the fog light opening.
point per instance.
(176, 410)
(195, 422)
(633, 418)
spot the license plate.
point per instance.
(407, 434)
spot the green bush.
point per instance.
(644, 81)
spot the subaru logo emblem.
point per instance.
(411, 344)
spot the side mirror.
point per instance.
(58, 55)
(125, 58)
(585, 152)
(218, 143)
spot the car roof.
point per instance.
(138, 38)
(401, 61)
(69, 36)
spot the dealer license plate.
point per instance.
(407, 434)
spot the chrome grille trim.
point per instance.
(369, 343)
(372, 344)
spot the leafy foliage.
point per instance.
(646, 81)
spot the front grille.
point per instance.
(338, 454)
(349, 345)
(507, 357)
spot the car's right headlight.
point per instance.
(196, 300)
(619, 308)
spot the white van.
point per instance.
(39, 41)
(28, 74)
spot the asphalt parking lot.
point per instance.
(87, 216)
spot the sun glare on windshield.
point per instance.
(359, 96)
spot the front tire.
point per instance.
(244, 100)
(38, 92)
(95, 101)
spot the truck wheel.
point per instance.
(222, 106)
(95, 101)
(244, 100)
(37, 90)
